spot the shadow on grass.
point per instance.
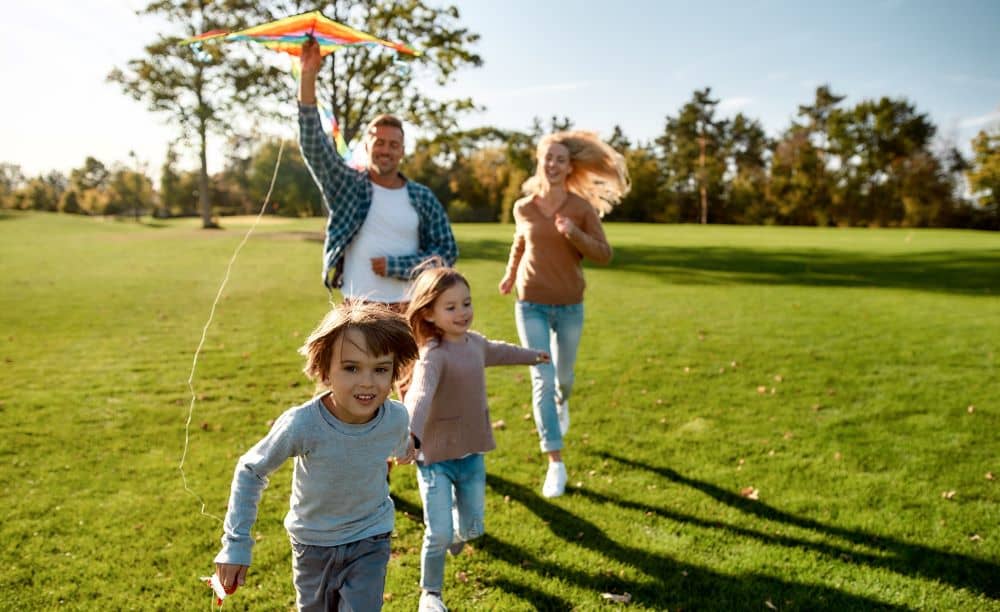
(668, 583)
(970, 573)
(964, 272)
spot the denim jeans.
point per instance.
(347, 578)
(557, 330)
(454, 496)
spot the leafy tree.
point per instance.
(746, 150)
(692, 145)
(42, 192)
(873, 142)
(364, 83)
(199, 91)
(795, 192)
(984, 176)
(69, 203)
(129, 192)
(294, 191)
(171, 195)
(644, 201)
(11, 180)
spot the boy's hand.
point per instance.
(232, 576)
(543, 357)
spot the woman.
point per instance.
(577, 179)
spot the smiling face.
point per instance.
(359, 382)
(384, 144)
(554, 163)
(452, 312)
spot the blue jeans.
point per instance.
(449, 518)
(557, 330)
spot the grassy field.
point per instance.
(765, 419)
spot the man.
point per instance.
(382, 225)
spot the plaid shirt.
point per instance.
(347, 194)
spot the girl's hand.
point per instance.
(232, 576)
(543, 357)
(565, 226)
(506, 285)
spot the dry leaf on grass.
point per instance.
(499, 424)
(750, 493)
(461, 577)
(970, 409)
(767, 602)
(990, 476)
(624, 598)
(948, 494)
(761, 389)
(975, 537)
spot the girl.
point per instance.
(449, 418)
(577, 178)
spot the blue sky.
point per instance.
(630, 62)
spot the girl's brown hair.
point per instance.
(384, 331)
(426, 289)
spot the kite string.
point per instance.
(204, 334)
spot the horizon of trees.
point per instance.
(875, 163)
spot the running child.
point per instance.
(450, 419)
(340, 516)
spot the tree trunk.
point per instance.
(204, 202)
(701, 181)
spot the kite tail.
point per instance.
(338, 137)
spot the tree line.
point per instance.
(876, 163)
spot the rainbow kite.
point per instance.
(287, 36)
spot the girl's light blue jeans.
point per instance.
(556, 329)
(454, 497)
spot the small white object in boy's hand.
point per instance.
(216, 584)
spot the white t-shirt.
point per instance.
(389, 229)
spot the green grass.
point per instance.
(832, 370)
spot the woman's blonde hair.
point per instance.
(599, 173)
(384, 331)
(426, 289)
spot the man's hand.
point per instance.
(310, 63)
(379, 265)
(311, 60)
(506, 285)
(232, 576)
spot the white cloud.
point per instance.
(735, 104)
(980, 121)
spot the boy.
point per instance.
(340, 516)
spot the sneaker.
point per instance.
(562, 410)
(431, 602)
(456, 548)
(555, 480)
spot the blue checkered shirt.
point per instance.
(347, 194)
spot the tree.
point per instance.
(746, 149)
(691, 146)
(171, 196)
(11, 180)
(873, 141)
(294, 191)
(984, 176)
(199, 91)
(364, 83)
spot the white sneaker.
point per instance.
(562, 410)
(555, 480)
(431, 602)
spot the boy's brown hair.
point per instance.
(384, 331)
